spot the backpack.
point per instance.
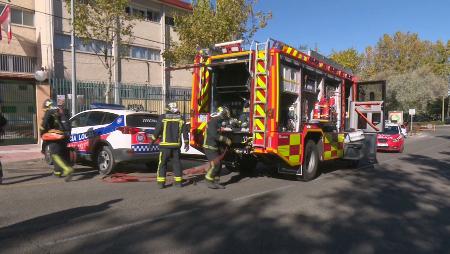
(3, 121)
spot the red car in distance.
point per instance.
(391, 139)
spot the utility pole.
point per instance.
(74, 70)
(443, 108)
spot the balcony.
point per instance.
(17, 64)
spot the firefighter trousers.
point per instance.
(59, 153)
(166, 154)
(213, 173)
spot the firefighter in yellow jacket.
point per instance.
(55, 120)
(169, 130)
(211, 143)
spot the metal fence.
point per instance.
(141, 97)
(18, 106)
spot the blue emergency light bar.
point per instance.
(107, 106)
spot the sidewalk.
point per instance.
(20, 153)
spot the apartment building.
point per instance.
(41, 39)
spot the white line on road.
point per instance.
(151, 220)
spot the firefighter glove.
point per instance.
(228, 142)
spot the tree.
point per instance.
(211, 22)
(349, 58)
(104, 21)
(415, 89)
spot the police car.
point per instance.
(108, 135)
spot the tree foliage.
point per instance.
(349, 58)
(415, 89)
(211, 22)
(416, 69)
(103, 20)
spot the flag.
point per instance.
(5, 22)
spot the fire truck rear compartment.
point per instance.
(231, 88)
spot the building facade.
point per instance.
(41, 39)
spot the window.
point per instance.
(62, 41)
(109, 118)
(28, 18)
(148, 15)
(142, 120)
(95, 118)
(376, 118)
(21, 17)
(79, 120)
(170, 21)
(145, 53)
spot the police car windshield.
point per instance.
(390, 130)
(142, 120)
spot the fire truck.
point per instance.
(288, 108)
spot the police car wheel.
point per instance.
(310, 163)
(105, 160)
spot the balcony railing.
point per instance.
(20, 64)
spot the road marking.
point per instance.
(151, 220)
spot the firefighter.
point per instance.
(56, 120)
(211, 146)
(169, 129)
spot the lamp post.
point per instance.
(74, 70)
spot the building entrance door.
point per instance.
(18, 106)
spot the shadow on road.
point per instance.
(379, 209)
(49, 222)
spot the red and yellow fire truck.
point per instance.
(288, 107)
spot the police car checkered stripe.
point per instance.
(145, 148)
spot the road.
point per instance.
(400, 205)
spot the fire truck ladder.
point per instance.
(260, 80)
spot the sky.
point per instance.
(342, 24)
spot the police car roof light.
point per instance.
(106, 106)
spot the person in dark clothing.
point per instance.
(211, 146)
(169, 130)
(56, 121)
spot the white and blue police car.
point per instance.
(108, 134)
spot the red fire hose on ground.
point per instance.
(190, 174)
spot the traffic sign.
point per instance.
(412, 111)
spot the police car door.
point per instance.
(83, 133)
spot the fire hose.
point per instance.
(190, 173)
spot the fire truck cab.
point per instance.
(288, 107)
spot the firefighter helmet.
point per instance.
(222, 112)
(48, 104)
(172, 107)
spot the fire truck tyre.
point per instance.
(311, 162)
(248, 166)
(105, 160)
(47, 156)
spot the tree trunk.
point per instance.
(109, 86)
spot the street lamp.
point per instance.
(41, 74)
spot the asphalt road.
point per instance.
(400, 205)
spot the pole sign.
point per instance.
(412, 111)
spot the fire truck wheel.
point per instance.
(311, 162)
(248, 166)
(105, 160)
